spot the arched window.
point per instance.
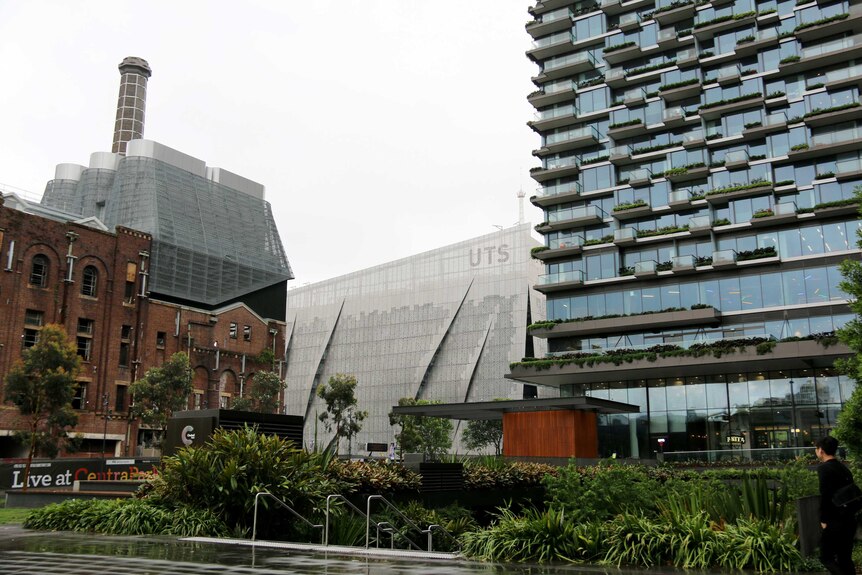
(39, 271)
(90, 281)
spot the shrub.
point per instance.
(497, 474)
(374, 477)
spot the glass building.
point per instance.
(442, 325)
(698, 165)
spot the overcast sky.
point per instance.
(380, 129)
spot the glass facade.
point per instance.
(443, 325)
(723, 175)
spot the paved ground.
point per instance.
(34, 552)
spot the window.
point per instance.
(85, 338)
(199, 400)
(120, 401)
(246, 332)
(39, 271)
(125, 340)
(129, 291)
(223, 401)
(89, 282)
(33, 321)
(233, 330)
(160, 339)
(79, 400)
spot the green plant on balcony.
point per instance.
(541, 225)
(645, 69)
(675, 172)
(783, 35)
(731, 100)
(623, 182)
(764, 213)
(722, 19)
(794, 120)
(694, 165)
(666, 87)
(703, 261)
(652, 94)
(756, 157)
(594, 160)
(827, 205)
(536, 93)
(649, 149)
(617, 47)
(821, 22)
(756, 254)
(592, 82)
(696, 196)
(664, 266)
(767, 12)
(674, 6)
(683, 33)
(790, 59)
(535, 169)
(784, 183)
(627, 271)
(819, 111)
(630, 206)
(662, 231)
(538, 250)
(798, 147)
(717, 164)
(597, 241)
(720, 222)
(551, 324)
(758, 183)
(745, 39)
(748, 72)
(706, 54)
(776, 94)
(824, 175)
(616, 103)
(634, 122)
(816, 86)
(715, 136)
(751, 125)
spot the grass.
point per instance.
(13, 515)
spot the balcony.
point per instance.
(822, 56)
(629, 21)
(557, 194)
(679, 198)
(559, 281)
(631, 211)
(569, 140)
(551, 46)
(848, 170)
(627, 323)
(626, 129)
(668, 38)
(825, 145)
(706, 30)
(572, 217)
(723, 258)
(618, 7)
(561, 248)
(674, 12)
(634, 97)
(557, 168)
(554, 118)
(849, 23)
(680, 90)
(736, 160)
(550, 22)
(615, 78)
(625, 236)
(714, 110)
(688, 58)
(729, 75)
(681, 264)
(851, 76)
(620, 154)
(770, 124)
(686, 174)
(695, 139)
(640, 178)
(762, 39)
(847, 113)
(565, 66)
(699, 225)
(724, 195)
(645, 268)
(674, 117)
(619, 55)
(564, 91)
(780, 213)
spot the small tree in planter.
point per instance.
(430, 436)
(341, 413)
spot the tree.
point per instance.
(162, 391)
(848, 429)
(41, 385)
(341, 412)
(430, 436)
(482, 433)
(263, 397)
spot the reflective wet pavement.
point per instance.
(35, 552)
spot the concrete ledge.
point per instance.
(40, 497)
(631, 323)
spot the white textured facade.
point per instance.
(442, 325)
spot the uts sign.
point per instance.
(489, 255)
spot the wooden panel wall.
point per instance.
(558, 433)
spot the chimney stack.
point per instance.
(132, 102)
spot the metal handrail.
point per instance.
(286, 506)
(351, 505)
(402, 516)
(445, 532)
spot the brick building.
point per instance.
(96, 284)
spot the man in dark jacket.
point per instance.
(839, 528)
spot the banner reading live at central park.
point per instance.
(62, 473)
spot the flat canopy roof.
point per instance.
(496, 409)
